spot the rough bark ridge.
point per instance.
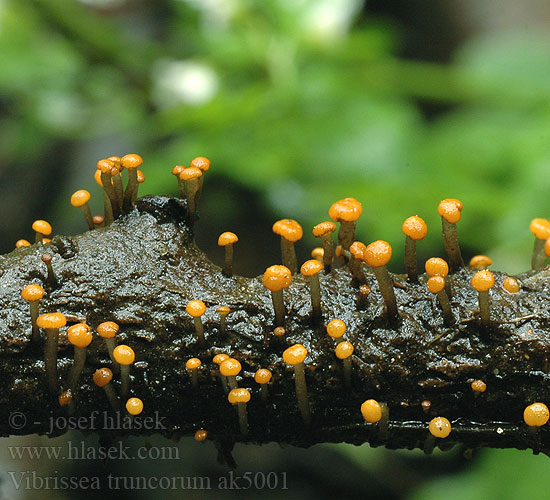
(143, 269)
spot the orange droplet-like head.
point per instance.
(42, 227)
(540, 228)
(415, 228)
(277, 277)
(311, 267)
(131, 160)
(195, 308)
(238, 395)
(483, 281)
(134, 406)
(436, 266)
(378, 253)
(480, 262)
(223, 310)
(323, 228)
(102, 376)
(279, 331)
(263, 376)
(193, 363)
(318, 253)
(344, 350)
(336, 328)
(201, 435)
(80, 335)
(288, 229)
(436, 284)
(227, 238)
(80, 198)
(220, 358)
(371, 411)
(105, 166)
(98, 219)
(200, 162)
(108, 329)
(177, 170)
(51, 321)
(450, 209)
(479, 386)
(230, 368)
(439, 427)
(32, 293)
(346, 210)
(511, 285)
(358, 249)
(22, 243)
(124, 354)
(536, 415)
(140, 177)
(190, 173)
(295, 354)
(65, 398)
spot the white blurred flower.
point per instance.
(183, 82)
(327, 20)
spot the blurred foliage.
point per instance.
(297, 104)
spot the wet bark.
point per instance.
(143, 269)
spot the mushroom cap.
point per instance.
(193, 363)
(47, 258)
(439, 427)
(223, 310)
(42, 227)
(288, 229)
(140, 177)
(346, 210)
(318, 253)
(371, 411)
(546, 247)
(263, 376)
(479, 386)
(450, 209)
(45, 240)
(536, 415)
(108, 329)
(415, 228)
(22, 243)
(358, 249)
(238, 395)
(480, 261)
(200, 162)
(230, 367)
(102, 376)
(131, 160)
(483, 281)
(32, 293)
(201, 435)
(295, 354)
(426, 404)
(124, 354)
(98, 219)
(190, 173)
(177, 170)
(50, 321)
(511, 285)
(364, 290)
(195, 308)
(65, 398)
(436, 266)
(97, 177)
(80, 335)
(436, 284)
(323, 228)
(344, 350)
(134, 406)
(336, 328)
(279, 331)
(227, 238)
(80, 197)
(378, 253)
(105, 166)
(220, 358)
(277, 277)
(311, 267)
(117, 163)
(540, 228)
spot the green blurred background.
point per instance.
(297, 103)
